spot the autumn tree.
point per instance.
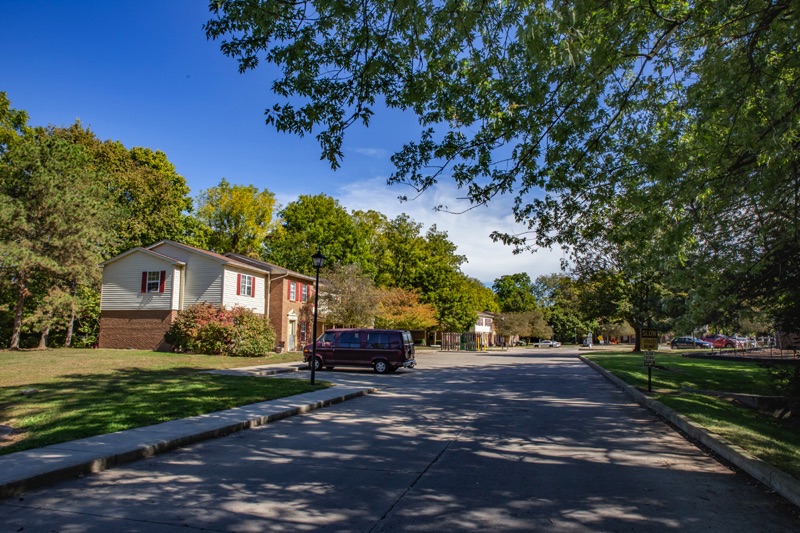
(403, 309)
(525, 324)
(348, 298)
(239, 216)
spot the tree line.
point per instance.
(69, 200)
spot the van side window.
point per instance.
(349, 339)
(326, 339)
(395, 341)
(378, 340)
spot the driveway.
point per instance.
(512, 441)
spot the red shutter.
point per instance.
(144, 281)
(238, 284)
(300, 291)
(289, 291)
(253, 294)
(163, 281)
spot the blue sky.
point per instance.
(143, 73)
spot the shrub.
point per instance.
(252, 334)
(204, 328)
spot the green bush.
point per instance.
(252, 334)
(207, 329)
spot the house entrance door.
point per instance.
(292, 340)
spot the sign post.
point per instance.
(649, 342)
(649, 362)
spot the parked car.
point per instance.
(744, 342)
(549, 344)
(722, 341)
(385, 350)
(689, 342)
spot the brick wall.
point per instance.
(140, 330)
(279, 309)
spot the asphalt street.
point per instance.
(510, 441)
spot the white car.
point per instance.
(549, 344)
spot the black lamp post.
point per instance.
(503, 328)
(318, 259)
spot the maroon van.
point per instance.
(385, 350)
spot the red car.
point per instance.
(723, 341)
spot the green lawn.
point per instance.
(81, 393)
(675, 380)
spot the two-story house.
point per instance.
(144, 289)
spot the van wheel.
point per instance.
(317, 364)
(381, 366)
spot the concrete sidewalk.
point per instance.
(23, 471)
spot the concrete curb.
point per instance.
(26, 470)
(257, 371)
(775, 479)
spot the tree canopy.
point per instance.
(515, 292)
(239, 216)
(54, 222)
(663, 114)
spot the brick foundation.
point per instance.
(139, 330)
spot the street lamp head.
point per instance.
(318, 260)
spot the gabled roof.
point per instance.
(269, 267)
(222, 259)
(162, 257)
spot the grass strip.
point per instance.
(676, 380)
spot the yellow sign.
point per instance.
(649, 339)
(649, 344)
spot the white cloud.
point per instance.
(370, 152)
(469, 231)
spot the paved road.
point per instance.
(505, 442)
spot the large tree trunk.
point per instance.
(70, 323)
(15, 332)
(43, 337)
(637, 346)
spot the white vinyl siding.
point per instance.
(122, 284)
(204, 279)
(255, 302)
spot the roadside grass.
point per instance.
(676, 382)
(83, 393)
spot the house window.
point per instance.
(153, 281)
(292, 291)
(304, 293)
(246, 283)
(303, 331)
